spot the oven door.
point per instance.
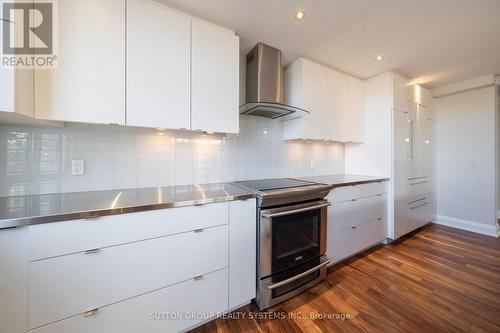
(291, 236)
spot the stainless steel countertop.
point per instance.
(344, 179)
(34, 209)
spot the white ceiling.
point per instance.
(435, 41)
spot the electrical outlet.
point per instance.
(312, 164)
(77, 167)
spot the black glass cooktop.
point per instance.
(263, 185)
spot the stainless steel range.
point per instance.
(291, 237)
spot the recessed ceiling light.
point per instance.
(379, 57)
(300, 15)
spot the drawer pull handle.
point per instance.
(92, 251)
(415, 201)
(90, 313)
(421, 182)
(92, 217)
(198, 230)
(379, 219)
(354, 199)
(198, 278)
(354, 227)
(421, 205)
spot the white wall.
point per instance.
(36, 160)
(466, 150)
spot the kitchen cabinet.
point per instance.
(139, 63)
(16, 93)
(355, 128)
(337, 106)
(242, 254)
(399, 144)
(89, 83)
(214, 78)
(335, 102)
(357, 219)
(99, 277)
(306, 86)
(158, 66)
(150, 312)
(13, 281)
(111, 274)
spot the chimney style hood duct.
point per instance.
(264, 89)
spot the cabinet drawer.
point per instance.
(351, 213)
(64, 286)
(55, 239)
(345, 193)
(418, 188)
(369, 234)
(148, 313)
(347, 242)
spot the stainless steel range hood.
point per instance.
(264, 89)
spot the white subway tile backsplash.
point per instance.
(36, 160)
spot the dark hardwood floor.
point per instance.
(437, 279)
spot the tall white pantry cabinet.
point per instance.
(399, 144)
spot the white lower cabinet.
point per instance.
(243, 254)
(166, 310)
(60, 238)
(165, 270)
(357, 219)
(67, 285)
(13, 280)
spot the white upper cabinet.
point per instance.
(306, 86)
(158, 66)
(335, 102)
(16, 93)
(16, 85)
(137, 63)
(355, 110)
(89, 84)
(214, 78)
(7, 82)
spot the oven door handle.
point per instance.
(299, 210)
(296, 277)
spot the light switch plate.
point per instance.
(77, 167)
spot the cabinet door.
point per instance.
(429, 156)
(355, 110)
(173, 309)
(14, 280)
(214, 79)
(402, 155)
(7, 89)
(68, 285)
(242, 251)
(337, 106)
(158, 56)
(316, 124)
(89, 83)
